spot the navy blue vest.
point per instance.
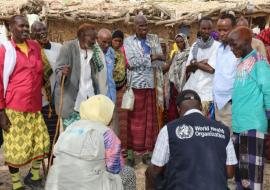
(197, 154)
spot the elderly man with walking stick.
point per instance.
(82, 62)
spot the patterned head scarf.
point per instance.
(178, 68)
(185, 39)
(97, 108)
(175, 48)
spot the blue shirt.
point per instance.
(251, 94)
(226, 64)
(110, 60)
(146, 48)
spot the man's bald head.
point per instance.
(104, 39)
(36, 25)
(242, 21)
(140, 18)
(104, 32)
(141, 26)
(242, 33)
(240, 41)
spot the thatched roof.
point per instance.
(104, 11)
(188, 12)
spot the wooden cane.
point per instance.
(58, 122)
(44, 169)
(158, 109)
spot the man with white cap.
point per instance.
(93, 160)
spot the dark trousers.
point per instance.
(1, 137)
(50, 121)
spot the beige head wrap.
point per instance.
(97, 108)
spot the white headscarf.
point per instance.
(97, 108)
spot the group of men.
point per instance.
(32, 68)
(233, 76)
(228, 79)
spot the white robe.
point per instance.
(80, 160)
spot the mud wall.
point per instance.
(63, 30)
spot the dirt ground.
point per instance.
(139, 169)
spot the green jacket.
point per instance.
(251, 94)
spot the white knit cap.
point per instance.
(97, 108)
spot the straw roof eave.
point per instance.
(165, 14)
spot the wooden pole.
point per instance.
(58, 123)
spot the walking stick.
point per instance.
(58, 122)
(159, 111)
(44, 168)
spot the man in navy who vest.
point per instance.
(191, 152)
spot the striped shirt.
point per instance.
(140, 74)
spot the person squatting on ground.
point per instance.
(93, 160)
(197, 150)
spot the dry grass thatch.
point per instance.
(104, 11)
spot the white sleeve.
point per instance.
(213, 57)
(231, 156)
(190, 56)
(161, 152)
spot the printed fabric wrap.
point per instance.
(119, 74)
(96, 58)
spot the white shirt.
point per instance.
(201, 81)
(52, 55)
(161, 152)
(86, 89)
(226, 64)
